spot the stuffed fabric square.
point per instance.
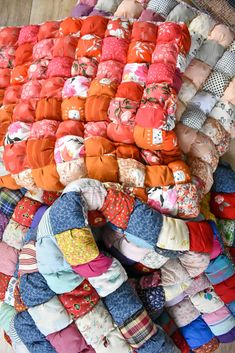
(160, 72)
(110, 280)
(114, 49)
(226, 64)
(205, 101)
(162, 7)
(123, 111)
(193, 117)
(76, 86)
(210, 52)
(219, 269)
(187, 91)
(123, 303)
(57, 317)
(135, 73)
(207, 301)
(72, 170)
(202, 24)
(222, 34)
(216, 83)
(183, 313)
(65, 47)
(131, 172)
(28, 34)
(138, 329)
(84, 66)
(174, 235)
(25, 211)
(140, 52)
(52, 87)
(80, 301)
(14, 234)
(181, 13)
(43, 49)
(172, 272)
(78, 246)
(95, 325)
(224, 112)
(16, 132)
(118, 27)
(111, 70)
(192, 72)
(60, 66)
(107, 7)
(90, 46)
(38, 70)
(68, 148)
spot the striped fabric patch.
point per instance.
(27, 259)
(138, 329)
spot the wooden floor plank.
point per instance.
(15, 12)
(44, 10)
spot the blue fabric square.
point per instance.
(68, 212)
(196, 333)
(123, 303)
(145, 223)
(159, 343)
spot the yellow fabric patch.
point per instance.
(78, 246)
(205, 208)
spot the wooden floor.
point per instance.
(22, 12)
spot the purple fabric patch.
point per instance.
(81, 10)
(3, 223)
(227, 337)
(38, 216)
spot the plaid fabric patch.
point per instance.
(138, 329)
(9, 200)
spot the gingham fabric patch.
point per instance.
(226, 64)
(138, 329)
(162, 7)
(216, 83)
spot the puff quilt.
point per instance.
(109, 240)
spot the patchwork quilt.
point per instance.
(109, 140)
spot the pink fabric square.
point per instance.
(31, 90)
(135, 73)
(8, 259)
(123, 111)
(110, 69)
(114, 49)
(28, 34)
(165, 53)
(69, 337)
(169, 32)
(76, 86)
(52, 87)
(44, 128)
(85, 67)
(12, 94)
(7, 56)
(160, 73)
(118, 27)
(96, 128)
(38, 70)
(60, 67)
(43, 49)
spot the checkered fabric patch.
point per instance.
(9, 199)
(138, 329)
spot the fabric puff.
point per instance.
(47, 109)
(84, 66)
(201, 236)
(157, 343)
(181, 13)
(74, 215)
(222, 34)
(63, 281)
(222, 173)
(96, 267)
(229, 92)
(114, 49)
(138, 329)
(180, 240)
(172, 272)
(9, 36)
(60, 66)
(129, 9)
(27, 259)
(131, 172)
(89, 45)
(9, 200)
(226, 64)
(117, 208)
(43, 49)
(207, 301)
(28, 34)
(44, 128)
(70, 25)
(65, 47)
(34, 290)
(210, 52)
(77, 245)
(195, 263)
(110, 280)
(199, 284)
(71, 170)
(193, 117)
(194, 67)
(30, 335)
(202, 24)
(68, 148)
(145, 223)
(24, 111)
(76, 86)
(49, 29)
(52, 87)
(163, 199)
(216, 83)
(69, 337)
(7, 313)
(8, 259)
(95, 325)
(204, 100)
(118, 27)
(53, 309)
(92, 190)
(80, 301)
(183, 313)
(73, 108)
(219, 269)
(227, 230)
(225, 290)
(12, 94)
(152, 298)
(122, 303)
(135, 73)
(14, 234)
(4, 280)
(111, 70)
(18, 75)
(25, 210)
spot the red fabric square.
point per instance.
(226, 290)
(201, 236)
(81, 300)
(25, 211)
(4, 281)
(60, 66)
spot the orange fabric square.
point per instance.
(98, 146)
(70, 25)
(5, 75)
(158, 175)
(96, 108)
(19, 74)
(8, 182)
(140, 52)
(25, 111)
(65, 46)
(48, 108)
(24, 54)
(94, 25)
(89, 46)
(47, 178)
(127, 151)
(73, 108)
(130, 90)
(70, 127)
(49, 29)
(181, 172)
(102, 87)
(40, 152)
(144, 31)
(106, 168)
